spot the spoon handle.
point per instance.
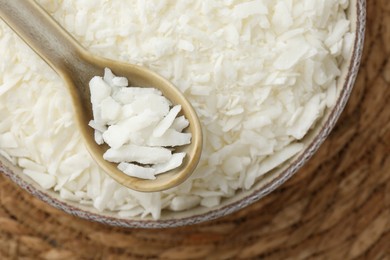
(44, 35)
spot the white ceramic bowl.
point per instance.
(357, 15)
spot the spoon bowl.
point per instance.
(77, 67)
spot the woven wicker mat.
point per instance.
(336, 207)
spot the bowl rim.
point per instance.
(255, 194)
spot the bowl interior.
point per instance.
(263, 186)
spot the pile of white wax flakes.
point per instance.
(258, 73)
(138, 125)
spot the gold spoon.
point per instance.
(76, 66)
